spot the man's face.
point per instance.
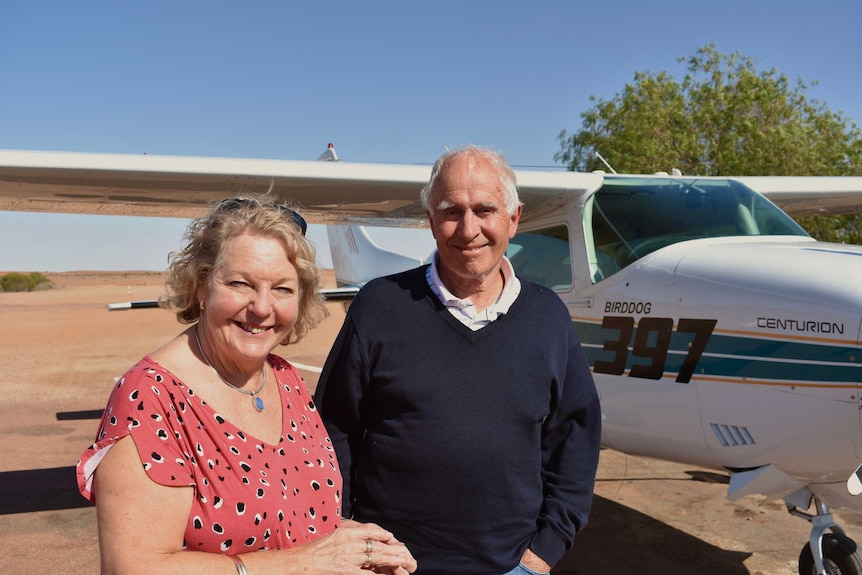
(469, 220)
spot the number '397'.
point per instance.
(652, 341)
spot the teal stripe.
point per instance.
(779, 349)
(742, 357)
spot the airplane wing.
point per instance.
(328, 192)
(185, 186)
(809, 195)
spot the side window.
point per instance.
(543, 256)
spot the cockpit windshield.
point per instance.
(632, 217)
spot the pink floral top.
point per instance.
(248, 495)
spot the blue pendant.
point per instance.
(258, 404)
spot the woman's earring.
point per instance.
(202, 305)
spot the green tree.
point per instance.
(841, 229)
(723, 118)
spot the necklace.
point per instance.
(256, 401)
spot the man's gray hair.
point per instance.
(495, 158)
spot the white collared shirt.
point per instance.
(463, 309)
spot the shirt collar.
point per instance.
(511, 288)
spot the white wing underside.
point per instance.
(326, 192)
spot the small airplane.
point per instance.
(719, 333)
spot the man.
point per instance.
(458, 398)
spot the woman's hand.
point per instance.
(356, 547)
(141, 527)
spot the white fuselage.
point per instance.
(777, 380)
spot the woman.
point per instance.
(210, 447)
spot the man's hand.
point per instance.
(534, 562)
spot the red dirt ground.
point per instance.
(62, 350)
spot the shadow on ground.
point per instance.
(33, 490)
(83, 414)
(619, 539)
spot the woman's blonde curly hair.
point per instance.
(209, 237)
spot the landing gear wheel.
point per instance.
(840, 557)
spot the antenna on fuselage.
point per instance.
(329, 155)
(605, 162)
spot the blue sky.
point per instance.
(385, 81)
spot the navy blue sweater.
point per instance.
(468, 446)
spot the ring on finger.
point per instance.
(367, 560)
(368, 546)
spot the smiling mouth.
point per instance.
(252, 329)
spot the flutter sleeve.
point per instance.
(149, 404)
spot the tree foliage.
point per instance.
(15, 282)
(723, 118)
(840, 229)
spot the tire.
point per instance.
(841, 556)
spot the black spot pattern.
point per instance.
(294, 478)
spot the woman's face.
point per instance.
(251, 302)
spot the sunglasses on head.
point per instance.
(233, 204)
